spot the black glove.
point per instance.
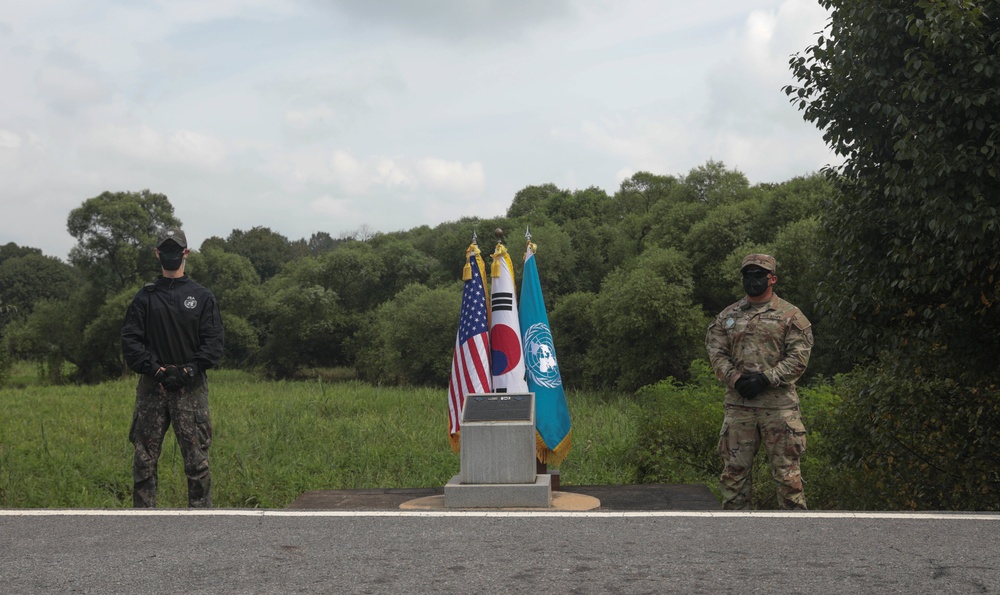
(190, 372)
(749, 386)
(170, 377)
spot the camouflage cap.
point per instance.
(174, 234)
(763, 261)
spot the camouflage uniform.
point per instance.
(775, 339)
(155, 409)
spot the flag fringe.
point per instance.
(556, 455)
(456, 441)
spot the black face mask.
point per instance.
(171, 261)
(755, 282)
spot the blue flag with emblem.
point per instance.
(551, 411)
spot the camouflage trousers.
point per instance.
(156, 409)
(784, 439)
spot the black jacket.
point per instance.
(172, 321)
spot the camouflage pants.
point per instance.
(155, 410)
(784, 438)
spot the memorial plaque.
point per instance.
(498, 407)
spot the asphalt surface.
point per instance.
(398, 552)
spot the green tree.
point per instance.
(633, 212)
(238, 289)
(402, 264)
(410, 339)
(12, 250)
(321, 242)
(116, 233)
(539, 204)
(715, 185)
(446, 243)
(231, 278)
(572, 321)
(56, 331)
(267, 250)
(27, 279)
(646, 324)
(99, 355)
(558, 261)
(30, 279)
(5, 359)
(794, 200)
(307, 327)
(532, 201)
(356, 273)
(242, 344)
(908, 93)
(723, 230)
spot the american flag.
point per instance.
(470, 368)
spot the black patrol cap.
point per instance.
(174, 234)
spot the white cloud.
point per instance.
(69, 83)
(733, 110)
(195, 148)
(450, 176)
(339, 208)
(9, 140)
(312, 116)
(458, 19)
(351, 175)
(144, 144)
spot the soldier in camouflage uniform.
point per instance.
(759, 347)
(172, 334)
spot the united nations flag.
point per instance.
(542, 367)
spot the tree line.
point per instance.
(630, 279)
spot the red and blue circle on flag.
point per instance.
(506, 347)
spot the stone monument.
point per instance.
(498, 455)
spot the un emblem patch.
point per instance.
(190, 303)
(540, 356)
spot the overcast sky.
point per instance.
(330, 115)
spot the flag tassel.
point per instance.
(498, 256)
(556, 455)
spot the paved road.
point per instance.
(495, 552)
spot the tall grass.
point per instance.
(67, 446)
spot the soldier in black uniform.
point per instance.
(172, 334)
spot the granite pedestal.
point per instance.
(498, 455)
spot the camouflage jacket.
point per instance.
(775, 339)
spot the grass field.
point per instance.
(67, 446)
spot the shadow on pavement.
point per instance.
(624, 497)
